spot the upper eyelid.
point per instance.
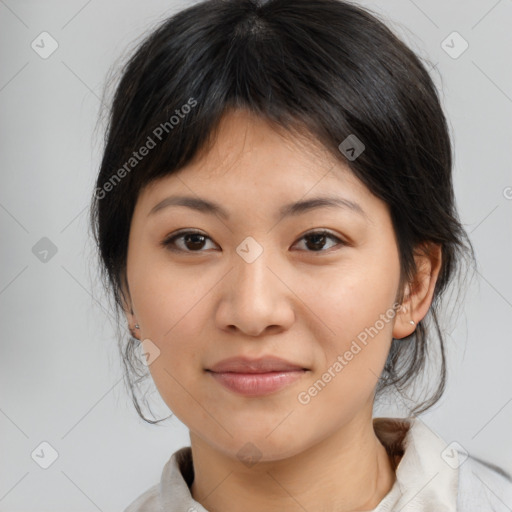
(317, 231)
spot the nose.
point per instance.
(255, 298)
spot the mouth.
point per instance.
(256, 377)
(257, 384)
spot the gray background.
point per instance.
(60, 373)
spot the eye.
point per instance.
(195, 241)
(192, 241)
(317, 240)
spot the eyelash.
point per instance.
(169, 241)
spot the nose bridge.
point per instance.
(256, 298)
(252, 274)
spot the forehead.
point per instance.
(248, 155)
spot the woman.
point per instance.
(275, 218)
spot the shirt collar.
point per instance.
(427, 474)
(425, 482)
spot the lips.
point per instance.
(261, 365)
(256, 377)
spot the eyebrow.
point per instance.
(292, 209)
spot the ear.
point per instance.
(127, 306)
(419, 293)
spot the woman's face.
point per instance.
(258, 283)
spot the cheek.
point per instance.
(356, 313)
(171, 307)
(167, 298)
(352, 359)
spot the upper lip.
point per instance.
(260, 365)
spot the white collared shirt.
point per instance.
(432, 476)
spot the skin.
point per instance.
(206, 303)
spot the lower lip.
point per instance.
(257, 384)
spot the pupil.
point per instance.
(195, 242)
(316, 237)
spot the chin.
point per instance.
(258, 446)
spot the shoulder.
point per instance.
(483, 484)
(172, 492)
(148, 501)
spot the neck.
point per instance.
(348, 471)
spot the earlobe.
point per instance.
(133, 332)
(133, 325)
(420, 292)
(404, 324)
(127, 306)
